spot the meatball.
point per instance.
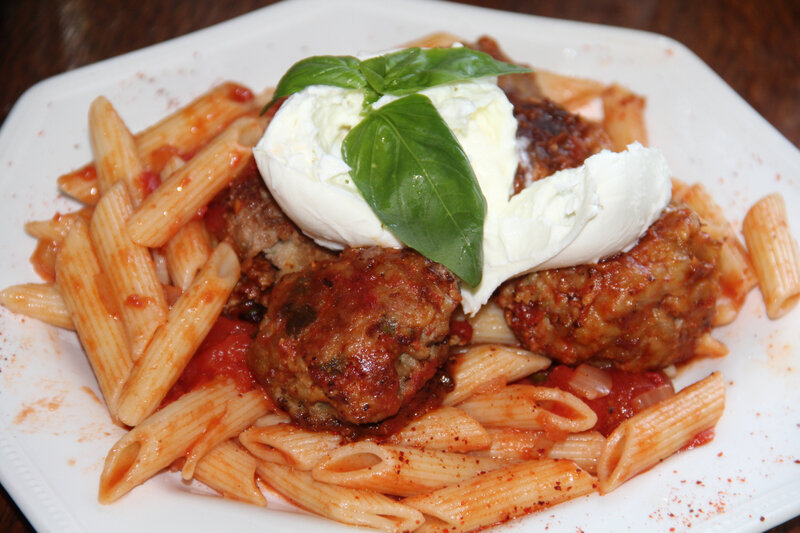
(267, 242)
(552, 139)
(640, 310)
(352, 339)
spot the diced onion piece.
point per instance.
(590, 382)
(651, 397)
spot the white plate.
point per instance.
(54, 434)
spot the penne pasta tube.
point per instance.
(231, 471)
(489, 326)
(185, 131)
(623, 117)
(447, 428)
(570, 92)
(351, 506)
(81, 184)
(398, 470)
(501, 495)
(240, 414)
(41, 301)
(181, 133)
(659, 431)
(440, 39)
(177, 199)
(56, 228)
(82, 285)
(775, 254)
(583, 449)
(289, 444)
(736, 275)
(709, 347)
(517, 444)
(161, 439)
(129, 268)
(531, 407)
(186, 252)
(490, 366)
(114, 148)
(174, 343)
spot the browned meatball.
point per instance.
(350, 340)
(639, 310)
(267, 242)
(552, 139)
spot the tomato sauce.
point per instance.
(462, 330)
(88, 172)
(616, 406)
(44, 259)
(239, 93)
(222, 354)
(148, 181)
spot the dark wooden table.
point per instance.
(753, 44)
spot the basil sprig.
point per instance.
(405, 161)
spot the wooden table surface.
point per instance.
(753, 44)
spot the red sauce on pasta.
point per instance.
(238, 93)
(704, 437)
(148, 181)
(223, 353)
(617, 406)
(461, 329)
(44, 259)
(88, 173)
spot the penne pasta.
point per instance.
(231, 471)
(178, 199)
(775, 254)
(81, 184)
(659, 431)
(439, 39)
(186, 252)
(490, 366)
(736, 275)
(502, 495)
(129, 268)
(181, 133)
(572, 93)
(289, 444)
(114, 148)
(447, 428)
(398, 470)
(351, 506)
(583, 449)
(41, 301)
(239, 415)
(82, 285)
(531, 407)
(161, 439)
(514, 444)
(56, 228)
(185, 131)
(489, 326)
(623, 117)
(174, 343)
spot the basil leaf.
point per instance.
(417, 179)
(338, 71)
(414, 69)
